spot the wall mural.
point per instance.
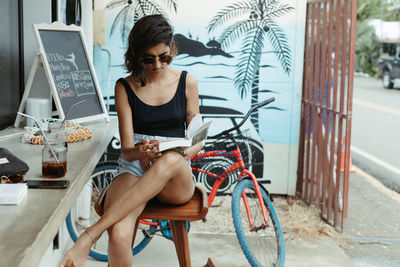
(241, 53)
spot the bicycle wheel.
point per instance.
(166, 229)
(100, 178)
(263, 245)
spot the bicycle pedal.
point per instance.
(230, 146)
(148, 234)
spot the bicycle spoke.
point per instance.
(262, 243)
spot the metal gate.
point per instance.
(326, 110)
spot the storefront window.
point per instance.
(10, 91)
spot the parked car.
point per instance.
(389, 68)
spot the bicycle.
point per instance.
(255, 221)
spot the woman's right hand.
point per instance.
(149, 148)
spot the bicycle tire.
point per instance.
(256, 245)
(100, 178)
(166, 229)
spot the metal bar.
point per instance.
(349, 105)
(330, 113)
(334, 106)
(317, 118)
(321, 93)
(329, 72)
(300, 171)
(327, 107)
(316, 105)
(313, 97)
(342, 99)
(300, 166)
(340, 119)
(309, 110)
(324, 108)
(317, 1)
(314, 116)
(309, 97)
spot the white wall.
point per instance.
(386, 30)
(38, 11)
(87, 25)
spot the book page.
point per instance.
(193, 126)
(201, 133)
(197, 129)
(170, 144)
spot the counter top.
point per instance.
(27, 229)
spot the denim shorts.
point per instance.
(135, 167)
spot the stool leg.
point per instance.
(181, 242)
(134, 232)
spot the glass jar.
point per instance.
(54, 153)
(57, 133)
(54, 160)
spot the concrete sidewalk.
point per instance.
(371, 234)
(372, 229)
(224, 248)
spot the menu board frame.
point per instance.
(58, 26)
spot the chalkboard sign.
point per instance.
(69, 71)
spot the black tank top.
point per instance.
(164, 120)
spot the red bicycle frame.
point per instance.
(235, 167)
(238, 165)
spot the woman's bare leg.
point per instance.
(170, 172)
(120, 234)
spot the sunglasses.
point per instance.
(162, 58)
(12, 179)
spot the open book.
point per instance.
(196, 132)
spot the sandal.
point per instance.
(99, 205)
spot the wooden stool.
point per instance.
(194, 209)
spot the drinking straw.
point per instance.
(44, 135)
(76, 103)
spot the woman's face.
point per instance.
(156, 58)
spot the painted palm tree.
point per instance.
(258, 23)
(132, 10)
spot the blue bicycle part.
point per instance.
(100, 178)
(166, 229)
(262, 244)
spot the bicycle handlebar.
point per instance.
(251, 110)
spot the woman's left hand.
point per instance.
(149, 148)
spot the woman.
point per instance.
(154, 102)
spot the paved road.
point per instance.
(372, 229)
(376, 130)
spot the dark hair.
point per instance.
(147, 32)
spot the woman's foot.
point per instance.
(77, 255)
(210, 263)
(70, 263)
